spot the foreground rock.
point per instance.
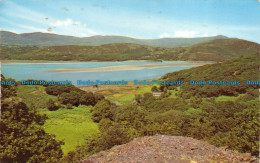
(162, 148)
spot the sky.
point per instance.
(147, 19)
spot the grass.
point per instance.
(228, 98)
(72, 126)
(34, 95)
(125, 96)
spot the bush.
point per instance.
(51, 105)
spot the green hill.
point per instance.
(219, 50)
(240, 69)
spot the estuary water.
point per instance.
(43, 71)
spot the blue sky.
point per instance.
(135, 18)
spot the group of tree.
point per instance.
(71, 96)
(22, 138)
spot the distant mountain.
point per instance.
(214, 50)
(47, 39)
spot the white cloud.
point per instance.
(37, 22)
(67, 22)
(165, 35)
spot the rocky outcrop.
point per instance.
(163, 148)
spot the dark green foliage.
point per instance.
(22, 137)
(88, 99)
(59, 89)
(103, 109)
(70, 98)
(130, 115)
(244, 136)
(112, 134)
(69, 94)
(6, 89)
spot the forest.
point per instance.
(193, 111)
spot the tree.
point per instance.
(87, 99)
(102, 110)
(70, 98)
(22, 137)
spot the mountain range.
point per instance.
(47, 39)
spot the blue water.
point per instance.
(23, 71)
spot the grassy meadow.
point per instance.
(71, 126)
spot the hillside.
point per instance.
(162, 148)
(219, 50)
(214, 50)
(239, 69)
(47, 39)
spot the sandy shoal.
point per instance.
(131, 67)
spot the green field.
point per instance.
(72, 126)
